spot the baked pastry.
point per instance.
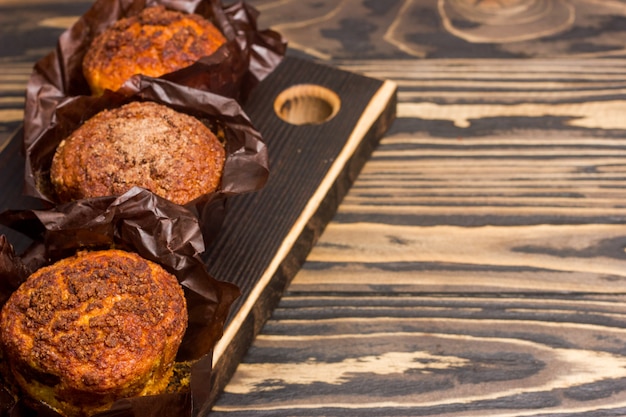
(157, 41)
(143, 144)
(93, 328)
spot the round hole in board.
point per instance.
(306, 104)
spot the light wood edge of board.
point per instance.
(374, 109)
(11, 138)
(6, 143)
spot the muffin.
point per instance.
(143, 144)
(155, 42)
(93, 328)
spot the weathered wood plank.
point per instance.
(369, 257)
(450, 28)
(390, 354)
(476, 266)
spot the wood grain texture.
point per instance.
(387, 354)
(476, 266)
(470, 29)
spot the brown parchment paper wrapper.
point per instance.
(156, 229)
(246, 168)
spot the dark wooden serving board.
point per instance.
(312, 167)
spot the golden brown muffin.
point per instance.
(94, 328)
(141, 144)
(155, 42)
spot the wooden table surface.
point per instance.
(478, 266)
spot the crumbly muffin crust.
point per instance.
(141, 144)
(157, 41)
(93, 328)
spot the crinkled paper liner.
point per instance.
(156, 229)
(246, 168)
